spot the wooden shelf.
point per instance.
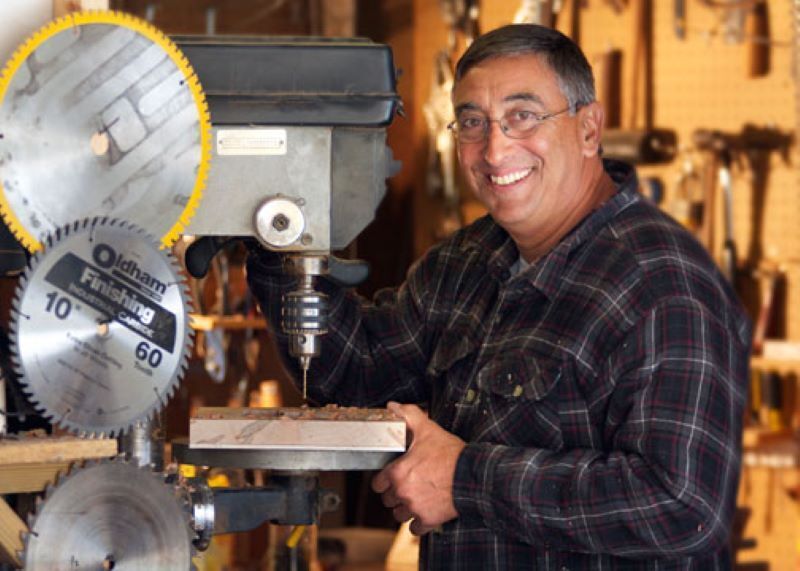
(231, 322)
(771, 449)
(29, 464)
(775, 364)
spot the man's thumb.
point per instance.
(410, 413)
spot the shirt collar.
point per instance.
(545, 274)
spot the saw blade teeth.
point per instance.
(75, 245)
(176, 215)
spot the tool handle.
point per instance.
(679, 13)
(757, 34)
(199, 254)
(611, 84)
(728, 261)
(347, 273)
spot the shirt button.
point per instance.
(470, 395)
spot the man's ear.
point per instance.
(590, 121)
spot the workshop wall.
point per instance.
(710, 79)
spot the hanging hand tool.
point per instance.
(568, 21)
(728, 260)
(441, 172)
(758, 39)
(534, 12)
(611, 87)
(686, 205)
(718, 145)
(638, 141)
(679, 14)
(756, 144)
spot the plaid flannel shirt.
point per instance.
(600, 391)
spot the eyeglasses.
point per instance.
(516, 124)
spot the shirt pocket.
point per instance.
(519, 405)
(521, 374)
(460, 339)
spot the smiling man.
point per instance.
(582, 361)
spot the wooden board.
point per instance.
(229, 322)
(33, 450)
(329, 428)
(11, 530)
(29, 464)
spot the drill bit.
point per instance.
(305, 363)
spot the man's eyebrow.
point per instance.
(521, 96)
(524, 96)
(466, 107)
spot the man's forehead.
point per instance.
(507, 79)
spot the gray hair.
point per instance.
(563, 56)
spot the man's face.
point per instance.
(531, 185)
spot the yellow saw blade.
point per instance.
(101, 115)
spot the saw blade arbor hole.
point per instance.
(103, 328)
(100, 143)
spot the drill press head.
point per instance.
(299, 155)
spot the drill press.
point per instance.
(299, 163)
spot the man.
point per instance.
(583, 362)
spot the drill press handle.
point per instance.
(344, 273)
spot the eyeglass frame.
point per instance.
(540, 118)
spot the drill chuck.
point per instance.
(304, 318)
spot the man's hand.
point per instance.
(419, 484)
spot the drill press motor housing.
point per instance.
(299, 157)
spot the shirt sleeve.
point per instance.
(665, 484)
(374, 351)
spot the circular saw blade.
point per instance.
(110, 515)
(99, 330)
(100, 115)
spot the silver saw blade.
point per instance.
(100, 115)
(99, 330)
(110, 515)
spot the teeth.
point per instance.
(509, 178)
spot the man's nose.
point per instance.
(496, 145)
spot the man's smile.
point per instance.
(510, 178)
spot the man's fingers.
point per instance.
(402, 513)
(390, 499)
(418, 529)
(381, 482)
(411, 413)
